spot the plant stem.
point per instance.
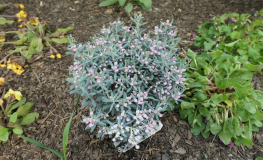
(7, 16)
(8, 32)
(211, 144)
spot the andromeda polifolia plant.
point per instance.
(234, 34)
(129, 78)
(220, 98)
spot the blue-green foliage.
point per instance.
(128, 78)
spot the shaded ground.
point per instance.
(46, 86)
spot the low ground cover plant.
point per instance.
(14, 113)
(33, 36)
(128, 78)
(234, 34)
(145, 4)
(220, 98)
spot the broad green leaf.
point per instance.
(257, 116)
(259, 158)
(242, 113)
(248, 130)
(200, 95)
(43, 146)
(235, 35)
(147, 3)
(32, 46)
(19, 103)
(238, 129)
(253, 53)
(216, 99)
(216, 54)
(20, 41)
(107, 3)
(5, 21)
(3, 130)
(29, 118)
(199, 121)
(240, 91)
(250, 106)
(241, 51)
(205, 134)
(259, 32)
(187, 105)
(251, 67)
(60, 40)
(225, 137)
(4, 136)
(197, 129)
(184, 113)
(231, 44)
(18, 49)
(214, 128)
(204, 112)
(18, 131)
(228, 102)
(23, 110)
(13, 118)
(128, 8)
(190, 114)
(39, 45)
(208, 45)
(144, 7)
(122, 2)
(225, 29)
(65, 30)
(257, 123)
(257, 23)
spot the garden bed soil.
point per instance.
(43, 82)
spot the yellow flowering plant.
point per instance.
(33, 35)
(14, 113)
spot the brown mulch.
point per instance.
(45, 84)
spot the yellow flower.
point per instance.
(20, 20)
(17, 94)
(52, 56)
(21, 14)
(34, 21)
(2, 37)
(21, 6)
(59, 55)
(22, 25)
(2, 80)
(2, 65)
(15, 67)
(1, 102)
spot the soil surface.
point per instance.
(44, 83)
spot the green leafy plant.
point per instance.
(259, 158)
(220, 98)
(145, 4)
(234, 34)
(33, 36)
(14, 113)
(64, 139)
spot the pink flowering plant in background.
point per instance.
(129, 77)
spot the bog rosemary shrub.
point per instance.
(128, 78)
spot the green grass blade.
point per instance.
(66, 130)
(43, 146)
